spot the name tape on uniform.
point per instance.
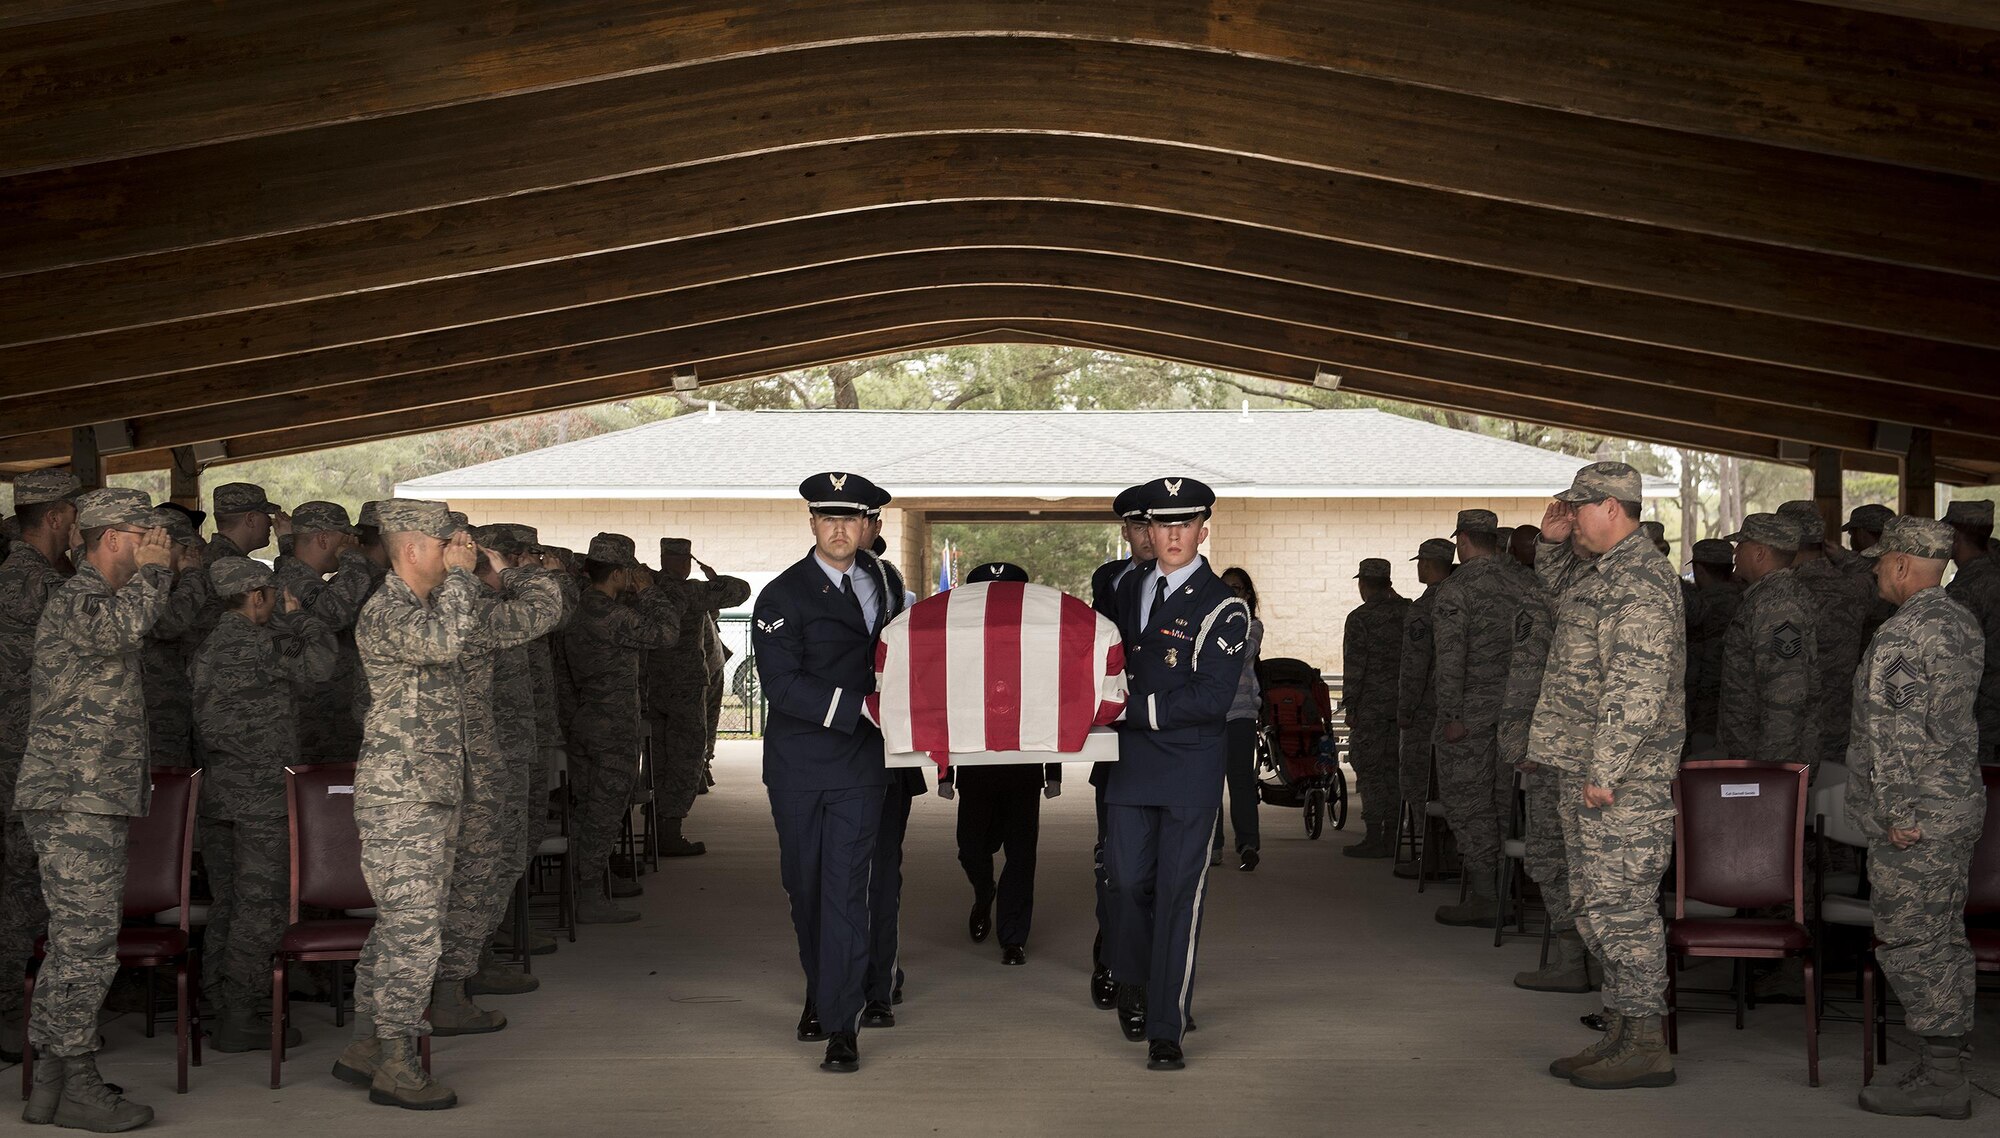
(1741, 790)
(340, 790)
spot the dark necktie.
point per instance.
(1159, 602)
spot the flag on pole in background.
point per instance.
(944, 568)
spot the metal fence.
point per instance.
(743, 698)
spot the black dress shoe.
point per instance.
(810, 1030)
(1013, 954)
(1595, 1021)
(896, 997)
(1248, 854)
(1132, 1011)
(981, 921)
(877, 1014)
(1164, 1055)
(1103, 989)
(841, 1053)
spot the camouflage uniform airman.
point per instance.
(1840, 603)
(1865, 521)
(411, 778)
(1473, 639)
(679, 681)
(229, 499)
(1708, 619)
(500, 757)
(1976, 586)
(83, 778)
(1914, 765)
(1612, 716)
(1544, 857)
(1371, 659)
(329, 715)
(170, 650)
(27, 581)
(1416, 689)
(246, 680)
(603, 648)
(1770, 661)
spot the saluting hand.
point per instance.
(287, 602)
(1557, 522)
(155, 548)
(460, 553)
(705, 570)
(281, 524)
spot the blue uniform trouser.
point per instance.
(1156, 865)
(826, 855)
(1097, 856)
(885, 897)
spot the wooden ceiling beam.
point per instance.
(1814, 407)
(1229, 105)
(836, 320)
(109, 81)
(117, 374)
(832, 180)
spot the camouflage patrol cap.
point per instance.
(1918, 537)
(1655, 531)
(241, 498)
(368, 515)
(1373, 569)
(1778, 532)
(115, 506)
(1713, 551)
(500, 538)
(10, 528)
(177, 525)
(1437, 549)
(529, 537)
(1968, 513)
(1869, 518)
(458, 521)
(614, 549)
(1601, 480)
(1477, 521)
(1812, 524)
(413, 515)
(320, 517)
(37, 486)
(676, 547)
(235, 576)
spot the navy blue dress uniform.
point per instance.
(1000, 809)
(884, 986)
(1185, 634)
(1104, 598)
(814, 631)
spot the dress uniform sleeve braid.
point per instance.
(113, 624)
(1205, 698)
(777, 636)
(1636, 634)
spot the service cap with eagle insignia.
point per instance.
(1129, 504)
(839, 495)
(1918, 537)
(1176, 499)
(1788, 640)
(997, 571)
(1901, 683)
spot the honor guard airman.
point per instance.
(1185, 632)
(814, 631)
(1104, 598)
(884, 988)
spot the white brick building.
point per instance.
(1303, 495)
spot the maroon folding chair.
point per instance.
(1739, 842)
(159, 849)
(1982, 898)
(326, 874)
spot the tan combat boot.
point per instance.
(358, 1063)
(592, 909)
(401, 1080)
(496, 979)
(1480, 909)
(1640, 1059)
(87, 1104)
(1565, 971)
(1934, 1086)
(41, 1108)
(1564, 1068)
(451, 1013)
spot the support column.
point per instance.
(1827, 494)
(84, 461)
(1919, 496)
(184, 481)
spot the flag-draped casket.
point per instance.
(988, 671)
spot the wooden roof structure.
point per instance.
(1767, 228)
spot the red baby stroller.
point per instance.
(1298, 757)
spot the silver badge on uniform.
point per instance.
(1173, 657)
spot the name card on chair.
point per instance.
(1741, 790)
(340, 790)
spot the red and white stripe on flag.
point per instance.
(997, 666)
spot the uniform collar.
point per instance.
(1181, 575)
(832, 574)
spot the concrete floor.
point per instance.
(1328, 1000)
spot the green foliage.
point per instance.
(1061, 554)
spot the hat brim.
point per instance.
(837, 509)
(1177, 514)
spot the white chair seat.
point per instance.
(1854, 912)
(1516, 848)
(553, 845)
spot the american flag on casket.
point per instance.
(997, 667)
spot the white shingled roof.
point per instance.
(1012, 454)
